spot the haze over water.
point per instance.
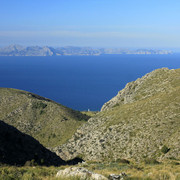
(79, 82)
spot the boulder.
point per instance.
(121, 176)
(80, 172)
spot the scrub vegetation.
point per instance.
(50, 123)
(167, 170)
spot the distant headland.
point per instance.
(18, 50)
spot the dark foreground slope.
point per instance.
(142, 121)
(50, 123)
(17, 148)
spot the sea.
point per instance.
(80, 82)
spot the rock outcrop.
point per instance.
(80, 172)
(120, 176)
(136, 124)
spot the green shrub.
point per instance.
(117, 104)
(125, 161)
(39, 105)
(151, 161)
(165, 149)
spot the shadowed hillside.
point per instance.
(17, 148)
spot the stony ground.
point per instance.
(140, 122)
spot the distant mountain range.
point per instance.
(17, 50)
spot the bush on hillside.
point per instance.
(165, 149)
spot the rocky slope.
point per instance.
(144, 87)
(17, 148)
(50, 123)
(141, 122)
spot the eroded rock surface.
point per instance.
(80, 172)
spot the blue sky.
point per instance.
(95, 23)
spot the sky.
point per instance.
(94, 23)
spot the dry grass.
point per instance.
(89, 113)
(167, 170)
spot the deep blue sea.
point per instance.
(79, 82)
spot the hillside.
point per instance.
(50, 123)
(141, 122)
(17, 148)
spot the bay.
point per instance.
(79, 82)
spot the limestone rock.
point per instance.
(80, 172)
(121, 176)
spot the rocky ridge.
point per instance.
(138, 90)
(141, 122)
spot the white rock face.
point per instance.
(81, 172)
(121, 176)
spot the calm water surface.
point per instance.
(79, 82)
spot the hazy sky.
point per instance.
(96, 23)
